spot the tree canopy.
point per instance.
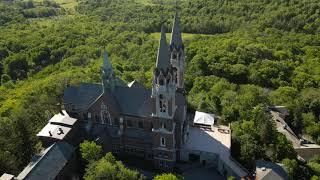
(242, 56)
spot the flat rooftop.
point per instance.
(54, 131)
(64, 119)
(214, 140)
(217, 140)
(58, 126)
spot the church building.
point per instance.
(131, 120)
(134, 120)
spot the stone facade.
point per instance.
(133, 120)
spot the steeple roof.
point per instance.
(106, 63)
(163, 53)
(176, 38)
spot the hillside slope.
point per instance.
(241, 57)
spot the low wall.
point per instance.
(212, 160)
(307, 152)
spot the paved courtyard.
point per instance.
(203, 174)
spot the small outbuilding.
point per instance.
(55, 162)
(204, 119)
(266, 170)
(210, 144)
(60, 127)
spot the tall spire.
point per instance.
(108, 78)
(176, 38)
(106, 63)
(163, 53)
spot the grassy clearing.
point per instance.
(145, 2)
(68, 5)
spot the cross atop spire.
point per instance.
(163, 53)
(176, 39)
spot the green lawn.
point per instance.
(146, 2)
(68, 5)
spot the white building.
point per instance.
(210, 145)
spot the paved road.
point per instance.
(283, 128)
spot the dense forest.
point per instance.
(242, 56)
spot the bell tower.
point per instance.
(177, 56)
(163, 95)
(163, 86)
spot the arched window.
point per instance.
(97, 120)
(129, 123)
(116, 121)
(105, 115)
(174, 55)
(140, 124)
(169, 77)
(162, 103)
(162, 141)
(161, 79)
(161, 82)
(176, 78)
(163, 125)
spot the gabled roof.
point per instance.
(133, 101)
(6, 176)
(176, 38)
(49, 163)
(82, 96)
(135, 84)
(270, 170)
(163, 53)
